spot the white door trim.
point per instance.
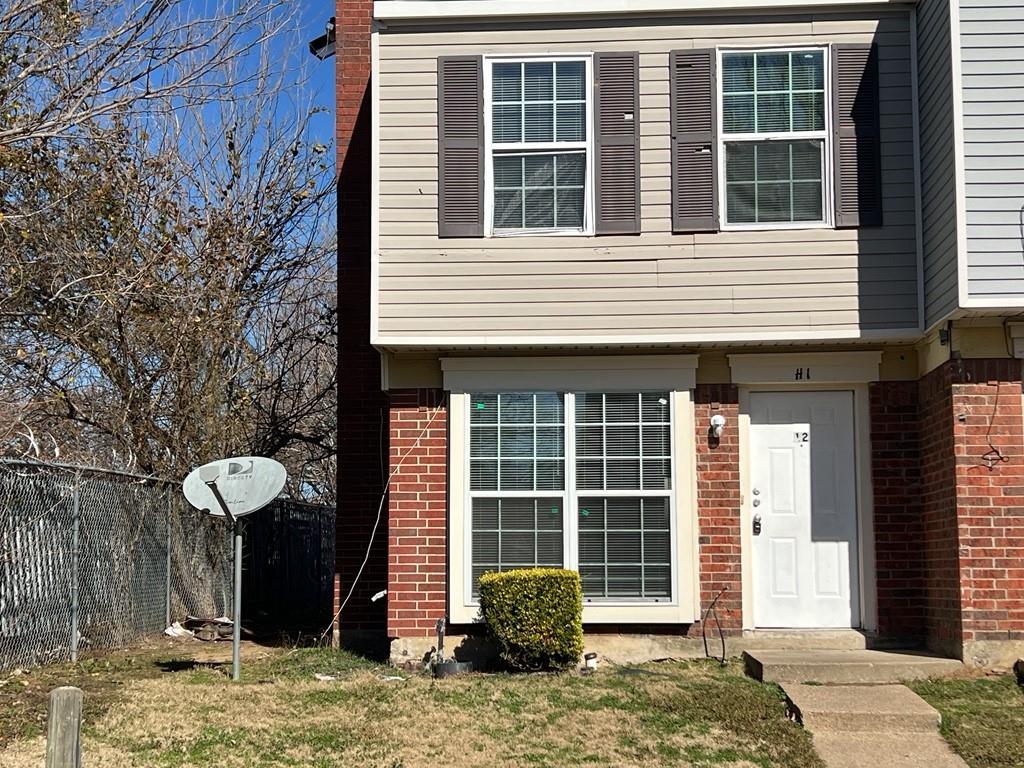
(865, 503)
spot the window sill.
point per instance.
(604, 613)
(776, 227)
(542, 233)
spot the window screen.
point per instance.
(539, 144)
(773, 123)
(516, 533)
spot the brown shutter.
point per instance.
(856, 136)
(460, 137)
(617, 107)
(694, 133)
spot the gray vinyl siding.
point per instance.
(742, 285)
(992, 55)
(938, 176)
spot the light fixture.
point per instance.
(717, 425)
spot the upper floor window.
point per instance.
(538, 139)
(774, 137)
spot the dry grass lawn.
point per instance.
(171, 706)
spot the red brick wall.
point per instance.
(896, 481)
(417, 512)
(718, 504)
(988, 430)
(938, 513)
(973, 502)
(362, 407)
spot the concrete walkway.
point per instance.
(861, 726)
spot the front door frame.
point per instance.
(859, 368)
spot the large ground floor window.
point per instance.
(580, 480)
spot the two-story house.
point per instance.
(710, 301)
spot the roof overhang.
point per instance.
(437, 10)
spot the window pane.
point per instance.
(740, 204)
(540, 208)
(483, 442)
(571, 76)
(772, 72)
(625, 547)
(806, 160)
(508, 209)
(515, 533)
(540, 122)
(508, 171)
(549, 408)
(516, 441)
(569, 208)
(508, 123)
(654, 407)
(538, 81)
(807, 201)
(738, 114)
(483, 409)
(483, 475)
(540, 170)
(739, 162)
(571, 123)
(809, 111)
(516, 408)
(772, 162)
(773, 203)
(808, 70)
(506, 82)
(570, 169)
(772, 112)
(737, 72)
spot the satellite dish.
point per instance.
(244, 483)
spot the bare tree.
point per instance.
(66, 64)
(169, 289)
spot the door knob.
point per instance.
(757, 525)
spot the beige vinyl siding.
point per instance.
(656, 283)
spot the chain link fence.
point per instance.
(97, 559)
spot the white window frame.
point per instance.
(553, 147)
(825, 135)
(669, 373)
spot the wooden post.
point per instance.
(63, 741)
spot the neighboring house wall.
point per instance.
(992, 52)
(727, 285)
(361, 406)
(938, 180)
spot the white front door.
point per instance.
(804, 509)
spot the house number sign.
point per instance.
(801, 437)
(802, 374)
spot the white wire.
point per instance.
(376, 523)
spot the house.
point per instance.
(715, 302)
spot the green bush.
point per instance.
(535, 616)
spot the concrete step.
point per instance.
(849, 667)
(840, 749)
(861, 708)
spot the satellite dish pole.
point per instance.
(209, 474)
(246, 484)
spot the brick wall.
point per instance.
(938, 513)
(417, 512)
(718, 504)
(988, 431)
(362, 407)
(896, 480)
(973, 491)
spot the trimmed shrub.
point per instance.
(535, 616)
